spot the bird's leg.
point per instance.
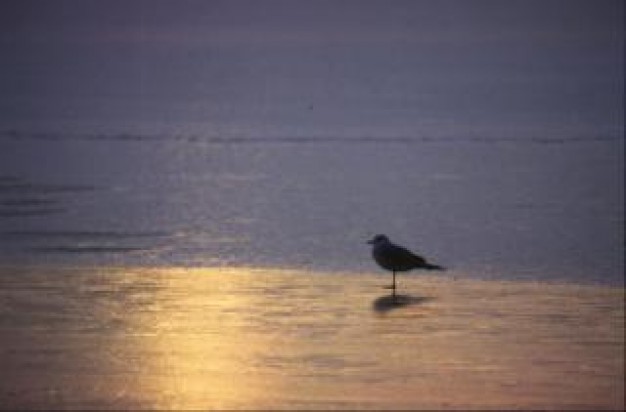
(393, 287)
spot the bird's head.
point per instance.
(378, 239)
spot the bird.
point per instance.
(396, 258)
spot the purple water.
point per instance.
(502, 208)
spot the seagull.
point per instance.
(396, 258)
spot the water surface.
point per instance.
(545, 208)
(245, 338)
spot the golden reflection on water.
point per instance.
(234, 338)
(269, 339)
(201, 340)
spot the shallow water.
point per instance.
(525, 208)
(271, 339)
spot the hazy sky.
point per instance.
(314, 67)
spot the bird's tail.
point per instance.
(429, 266)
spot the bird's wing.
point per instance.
(405, 257)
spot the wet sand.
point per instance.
(110, 338)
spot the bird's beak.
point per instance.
(370, 242)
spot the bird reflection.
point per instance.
(387, 303)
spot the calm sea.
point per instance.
(545, 208)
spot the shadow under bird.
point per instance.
(396, 258)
